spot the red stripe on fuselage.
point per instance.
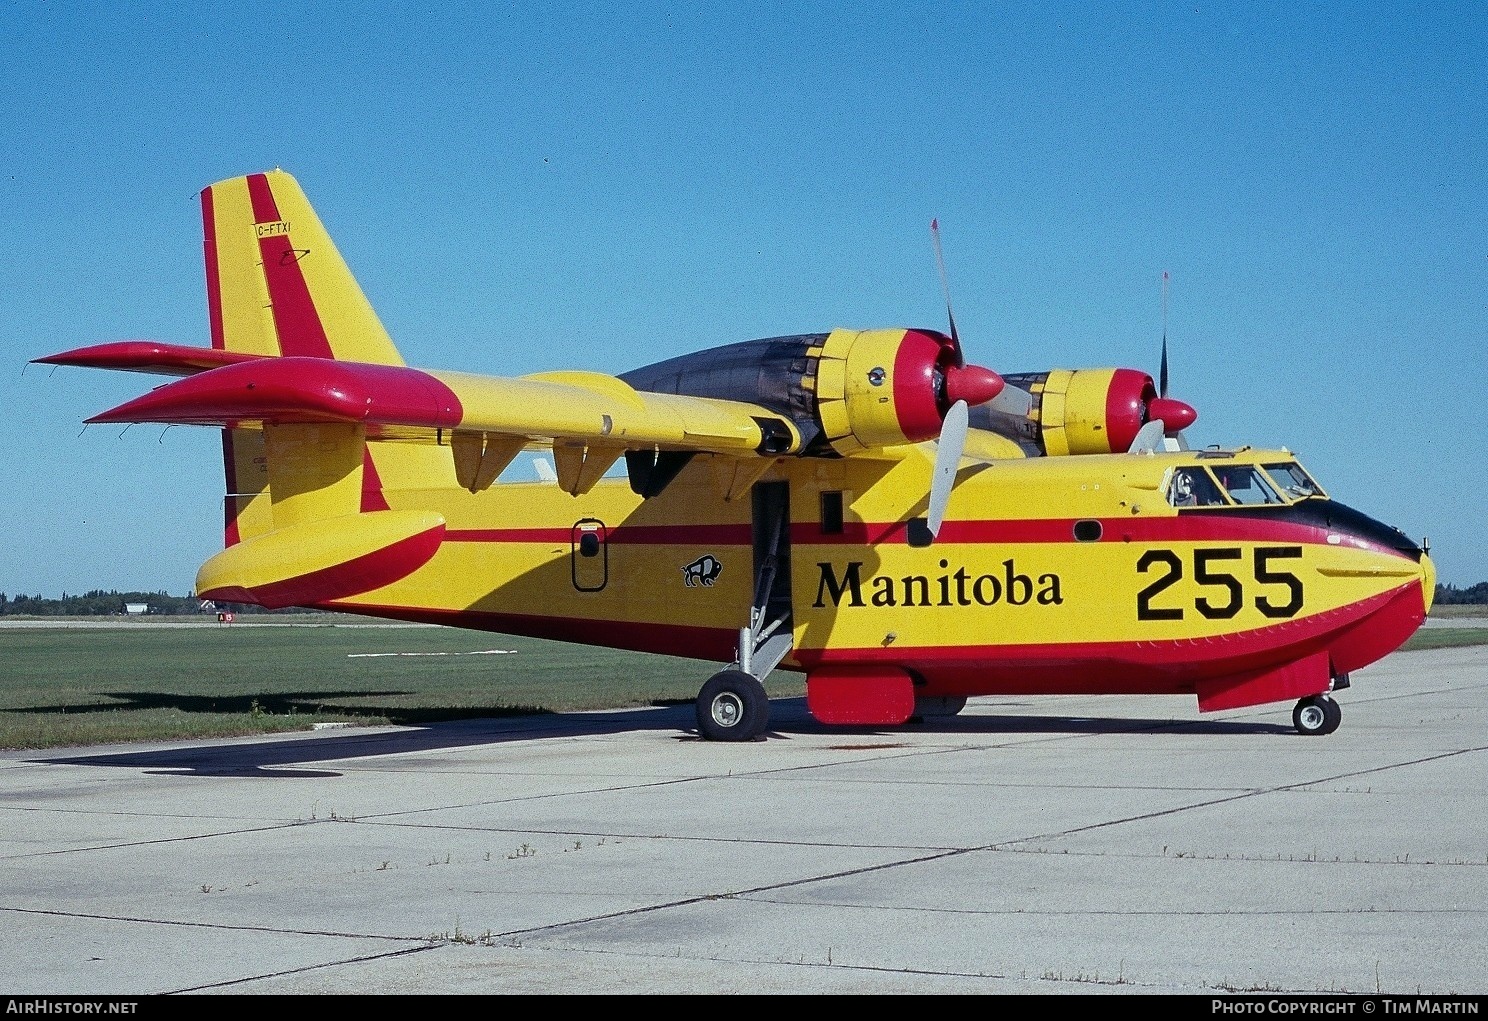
(1097, 668)
(296, 319)
(636, 535)
(1138, 667)
(1247, 527)
(1241, 526)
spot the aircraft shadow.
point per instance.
(278, 758)
(303, 703)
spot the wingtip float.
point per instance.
(865, 506)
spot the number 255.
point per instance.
(1209, 568)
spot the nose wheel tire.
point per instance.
(732, 706)
(1317, 714)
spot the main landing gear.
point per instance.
(1316, 714)
(733, 706)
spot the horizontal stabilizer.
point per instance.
(148, 356)
(322, 560)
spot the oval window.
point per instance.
(1088, 530)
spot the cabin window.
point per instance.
(1194, 487)
(1247, 485)
(1088, 530)
(1292, 481)
(831, 512)
(588, 544)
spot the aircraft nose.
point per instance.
(1428, 581)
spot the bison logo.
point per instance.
(705, 569)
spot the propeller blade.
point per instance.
(1148, 439)
(945, 286)
(1012, 400)
(947, 459)
(1162, 386)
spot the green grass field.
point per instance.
(82, 686)
(62, 686)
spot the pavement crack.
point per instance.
(218, 926)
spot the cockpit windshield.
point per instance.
(1292, 480)
(1194, 487)
(1246, 485)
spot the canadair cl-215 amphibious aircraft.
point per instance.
(863, 506)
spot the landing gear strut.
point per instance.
(1317, 714)
(733, 706)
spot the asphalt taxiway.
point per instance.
(1030, 845)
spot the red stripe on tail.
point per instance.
(296, 319)
(214, 277)
(372, 498)
(230, 534)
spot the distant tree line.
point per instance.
(99, 603)
(1476, 595)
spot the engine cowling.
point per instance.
(880, 388)
(1094, 411)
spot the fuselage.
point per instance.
(1074, 574)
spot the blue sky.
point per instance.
(538, 186)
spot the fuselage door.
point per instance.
(590, 555)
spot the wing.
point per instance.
(590, 419)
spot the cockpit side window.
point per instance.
(1292, 481)
(1246, 485)
(1194, 487)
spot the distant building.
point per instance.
(136, 607)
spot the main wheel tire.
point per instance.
(1317, 715)
(939, 705)
(732, 706)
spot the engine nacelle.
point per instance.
(1088, 411)
(881, 388)
(1093, 411)
(846, 391)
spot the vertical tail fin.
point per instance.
(276, 285)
